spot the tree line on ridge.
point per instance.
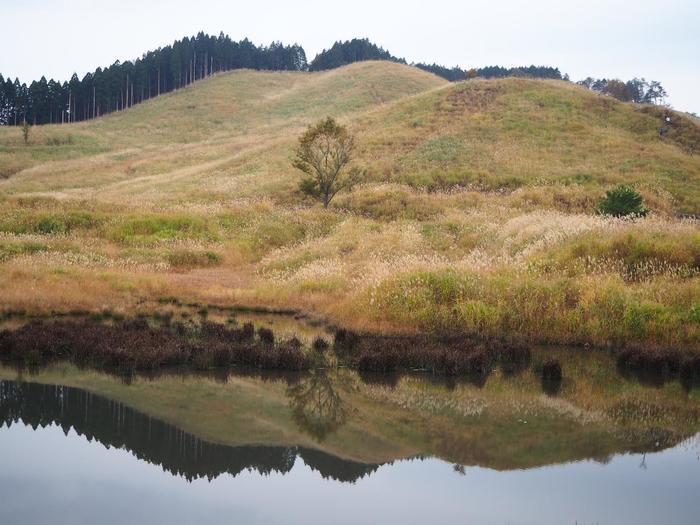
(124, 84)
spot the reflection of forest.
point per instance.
(116, 425)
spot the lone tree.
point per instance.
(25, 131)
(323, 154)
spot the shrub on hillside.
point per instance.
(622, 201)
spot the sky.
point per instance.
(654, 39)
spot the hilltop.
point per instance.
(478, 214)
(215, 118)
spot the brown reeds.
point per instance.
(135, 345)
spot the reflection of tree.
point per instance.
(317, 407)
(551, 387)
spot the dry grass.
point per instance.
(478, 215)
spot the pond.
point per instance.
(83, 446)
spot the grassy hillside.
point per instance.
(478, 214)
(214, 125)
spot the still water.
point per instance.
(81, 446)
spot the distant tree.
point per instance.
(25, 131)
(586, 82)
(355, 50)
(655, 93)
(523, 71)
(124, 84)
(323, 154)
(637, 88)
(622, 201)
(599, 84)
(4, 103)
(617, 89)
(454, 74)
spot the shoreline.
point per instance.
(157, 342)
(169, 308)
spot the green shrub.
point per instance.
(47, 223)
(639, 317)
(235, 221)
(50, 225)
(309, 187)
(192, 259)
(622, 201)
(79, 220)
(152, 229)
(10, 250)
(693, 315)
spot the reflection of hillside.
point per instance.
(507, 423)
(116, 425)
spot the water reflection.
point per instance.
(335, 445)
(116, 425)
(551, 387)
(545, 407)
(317, 407)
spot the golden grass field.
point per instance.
(477, 215)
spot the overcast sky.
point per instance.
(655, 39)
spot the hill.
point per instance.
(207, 121)
(478, 215)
